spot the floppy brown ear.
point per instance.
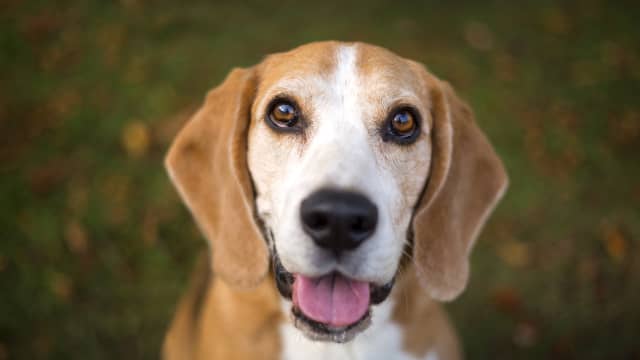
(207, 164)
(466, 181)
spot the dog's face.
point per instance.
(339, 152)
(330, 162)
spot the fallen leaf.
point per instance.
(525, 334)
(61, 286)
(615, 243)
(37, 28)
(515, 253)
(478, 36)
(135, 139)
(507, 300)
(76, 237)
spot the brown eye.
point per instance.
(402, 126)
(403, 123)
(283, 114)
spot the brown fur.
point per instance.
(425, 324)
(235, 314)
(207, 163)
(217, 321)
(466, 180)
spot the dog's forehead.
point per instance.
(304, 72)
(318, 59)
(381, 67)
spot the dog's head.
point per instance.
(330, 162)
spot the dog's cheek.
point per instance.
(267, 158)
(410, 170)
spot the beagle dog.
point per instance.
(340, 188)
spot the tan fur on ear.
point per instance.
(207, 164)
(466, 181)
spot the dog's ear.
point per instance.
(465, 183)
(207, 164)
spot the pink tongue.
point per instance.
(331, 299)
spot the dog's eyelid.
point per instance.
(297, 125)
(387, 132)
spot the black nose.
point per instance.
(338, 220)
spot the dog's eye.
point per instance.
(402, 126)
(283, 114)
(403, 122)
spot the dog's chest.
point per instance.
(382, 340)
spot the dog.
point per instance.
(341, 188)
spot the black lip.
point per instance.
(284, 279)
(380, 293)
(321, 332)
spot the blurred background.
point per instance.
(96, 247)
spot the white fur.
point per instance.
(341, 149)
(340, 156)
(381, 341)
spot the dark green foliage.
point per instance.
(96, 247)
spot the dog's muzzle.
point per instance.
(310, 316)
(333, 307)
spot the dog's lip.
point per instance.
(322, 332)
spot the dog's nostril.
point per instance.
(338, 220)
(317, 220)
(359, 225)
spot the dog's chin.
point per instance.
(325, 331)
(318, 331)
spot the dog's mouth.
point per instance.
(332, 307)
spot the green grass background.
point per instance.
(95, 246)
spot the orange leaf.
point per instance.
(615, 244)
(135, 139)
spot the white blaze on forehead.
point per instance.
(339, 151)
(346, 78)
